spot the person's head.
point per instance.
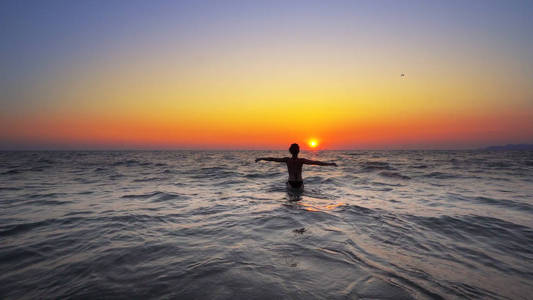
(294, 149)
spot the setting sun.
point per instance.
(313, 143)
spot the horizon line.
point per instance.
(487, 148)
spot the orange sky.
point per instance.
(433, 131)
(232, 81)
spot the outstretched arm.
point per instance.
(284, 159)
(318, 163)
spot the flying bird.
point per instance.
(402, 75)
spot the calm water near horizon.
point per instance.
(217, 225)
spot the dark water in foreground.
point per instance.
(204, 225)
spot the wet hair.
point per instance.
(294, 149)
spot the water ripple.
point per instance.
(215, 224)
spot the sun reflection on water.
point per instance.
(314, 205)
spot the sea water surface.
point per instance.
(217, 225)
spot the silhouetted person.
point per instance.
(294, 165)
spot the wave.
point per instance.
(49, 202)
(262, 175)
(520, 206)
(213, 172)
(46, 195)
(386, 184)
(322, 180)
(131, 162)
(46, 161)
(419, 166)
(156, 196)
(7, 230)
(465, 227)
(229, 182)
(370, 166)
(116, 176)
(355, 154)
(148, 179)
(499, 165)
(168, 171)
(441, 175)
(20, 170)
(8, 188)
(14, 229)
(129, 218)
(359, 210)
(394, 175)
(12, 172)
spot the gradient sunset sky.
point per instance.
(261, 75)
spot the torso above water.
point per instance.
(294, 166)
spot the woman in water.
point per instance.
(294, 166)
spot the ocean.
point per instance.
(217, 225)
